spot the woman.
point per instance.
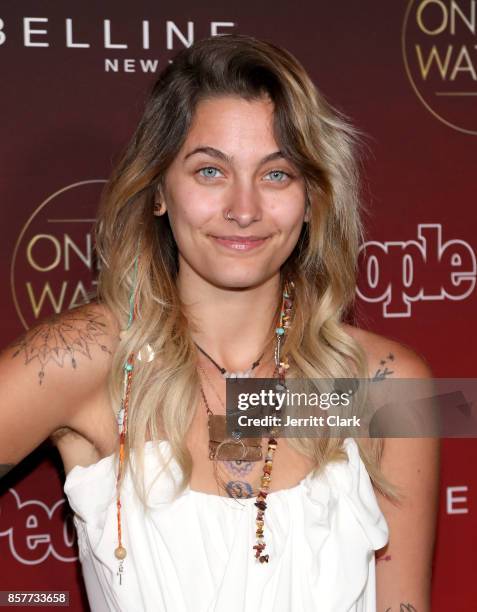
(228, 236)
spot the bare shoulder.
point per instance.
(54, 381)
(388, 357)
(83, 338)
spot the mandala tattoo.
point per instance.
(382, 373)
(60, 340)
(239, 468)
(239, 489)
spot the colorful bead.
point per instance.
(120, 552)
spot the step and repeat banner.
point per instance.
(73, 81)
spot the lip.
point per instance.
(240, 243)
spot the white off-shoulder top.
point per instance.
(194, 554)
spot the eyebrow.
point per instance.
(213, 152)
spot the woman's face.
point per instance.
(230, 161)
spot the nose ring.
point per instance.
(228, 217)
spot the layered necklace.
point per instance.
(222, 447)
(239, 449)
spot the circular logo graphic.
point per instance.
(53, 265)
(439, 53)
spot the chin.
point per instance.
(238, 280)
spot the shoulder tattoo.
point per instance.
(384, 370)
(61, 339)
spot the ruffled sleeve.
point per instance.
(354, 483)
(91, 490)
(345, 526)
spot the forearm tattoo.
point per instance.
(403, 607)
(61, 339)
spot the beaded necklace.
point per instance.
(281, 365)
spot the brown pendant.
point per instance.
(224, 448)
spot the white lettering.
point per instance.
(452, 500)
(145, 34)
(111, 65)
(57, 248)
(86, 257)
(434, 58)
(149, 65)
(464, 63)
(470, 23)
(47, 291)
(28, 31)
(107, 37)
(453, 259)
(455, 10)
(215, 25)
(172, 29)
(69, 37)
(129, 65)
(80, 296)
(3, 36)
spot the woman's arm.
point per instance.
(404, 566)
(49, 376)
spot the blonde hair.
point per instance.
(321, 141)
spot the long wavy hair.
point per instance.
(324, 145)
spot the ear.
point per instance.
(160, 207)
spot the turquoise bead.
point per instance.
(280, 331)
(128, 367)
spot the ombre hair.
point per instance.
(323, 144)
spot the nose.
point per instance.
(244, 203)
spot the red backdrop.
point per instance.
(73, 82)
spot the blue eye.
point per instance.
(208, 175)
(280, 172)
